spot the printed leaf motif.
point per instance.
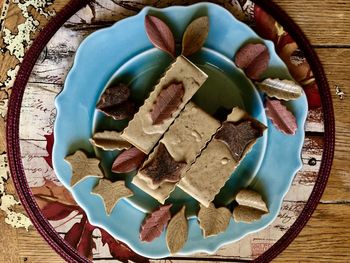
(167, 102)
(160, 34)
(120, 111)
(251, 199)
(281, 117)
(54, 197)
(177, 232)
(162, 168)
(111, 193)
(280, 89)
(57, 211)
(238, 136)
(154, 225)
(128, 161)
(195, 35)
(313, 96)
(49, 145)
(251, 207)
(80, 237)
(119, 250)
(253, 59)
(114, 95)
(213, 220)
(109, 141)
(83, 167)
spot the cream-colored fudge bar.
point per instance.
(204, 179)
(160, 194)
(140, 131)
(184, 141)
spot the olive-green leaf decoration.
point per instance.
(195, 35)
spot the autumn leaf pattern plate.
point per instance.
(139, 64)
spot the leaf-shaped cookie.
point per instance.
(83, 167)
(114, 95)
(160, 34)
(177, 232)
(251, 206)
(111, 193)
(251, 199)
(213, 220)
(195, 35)
(280, 89)
(154, 224)
(253, 59)
(109, 141)
(120, 111)
(128, 161)
(247, 214)
(238, 136)
(162, 168)
(281, 117)
(167, 102)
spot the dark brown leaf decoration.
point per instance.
(253, 59)
(167, 102)
(160, 34)
(281, 117)
(113, 95)
(195, 35)
(155, 223)
(120, 111)
(128, 161)
(163, 167)
(238, 136)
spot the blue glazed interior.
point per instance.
(105, 57)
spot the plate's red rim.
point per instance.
(14, 153)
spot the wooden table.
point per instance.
(326, 237)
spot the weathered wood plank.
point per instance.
(337, 68)
(324, 239)
(324, 22)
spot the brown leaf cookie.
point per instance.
(111, 193)
(114, 95)
(128, 161)
(251, 207)
(238, 136)
(281, 117)
(195, 35)
(213, 220)
(177, 232)
(109, 141)
(162, 168)
(83, 167)
(160, 34)
(167, 102)
(253, 59)
(120, 111)
(154, 224)
(281, 89)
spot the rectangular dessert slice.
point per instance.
(184, 141)
(204, 179)
(141, 131)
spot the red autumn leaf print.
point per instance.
(49, 145)
(57, 211)
(119, 250)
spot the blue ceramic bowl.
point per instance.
(123, 52)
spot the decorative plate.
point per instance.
(108, 55)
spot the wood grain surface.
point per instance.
(326, 237)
